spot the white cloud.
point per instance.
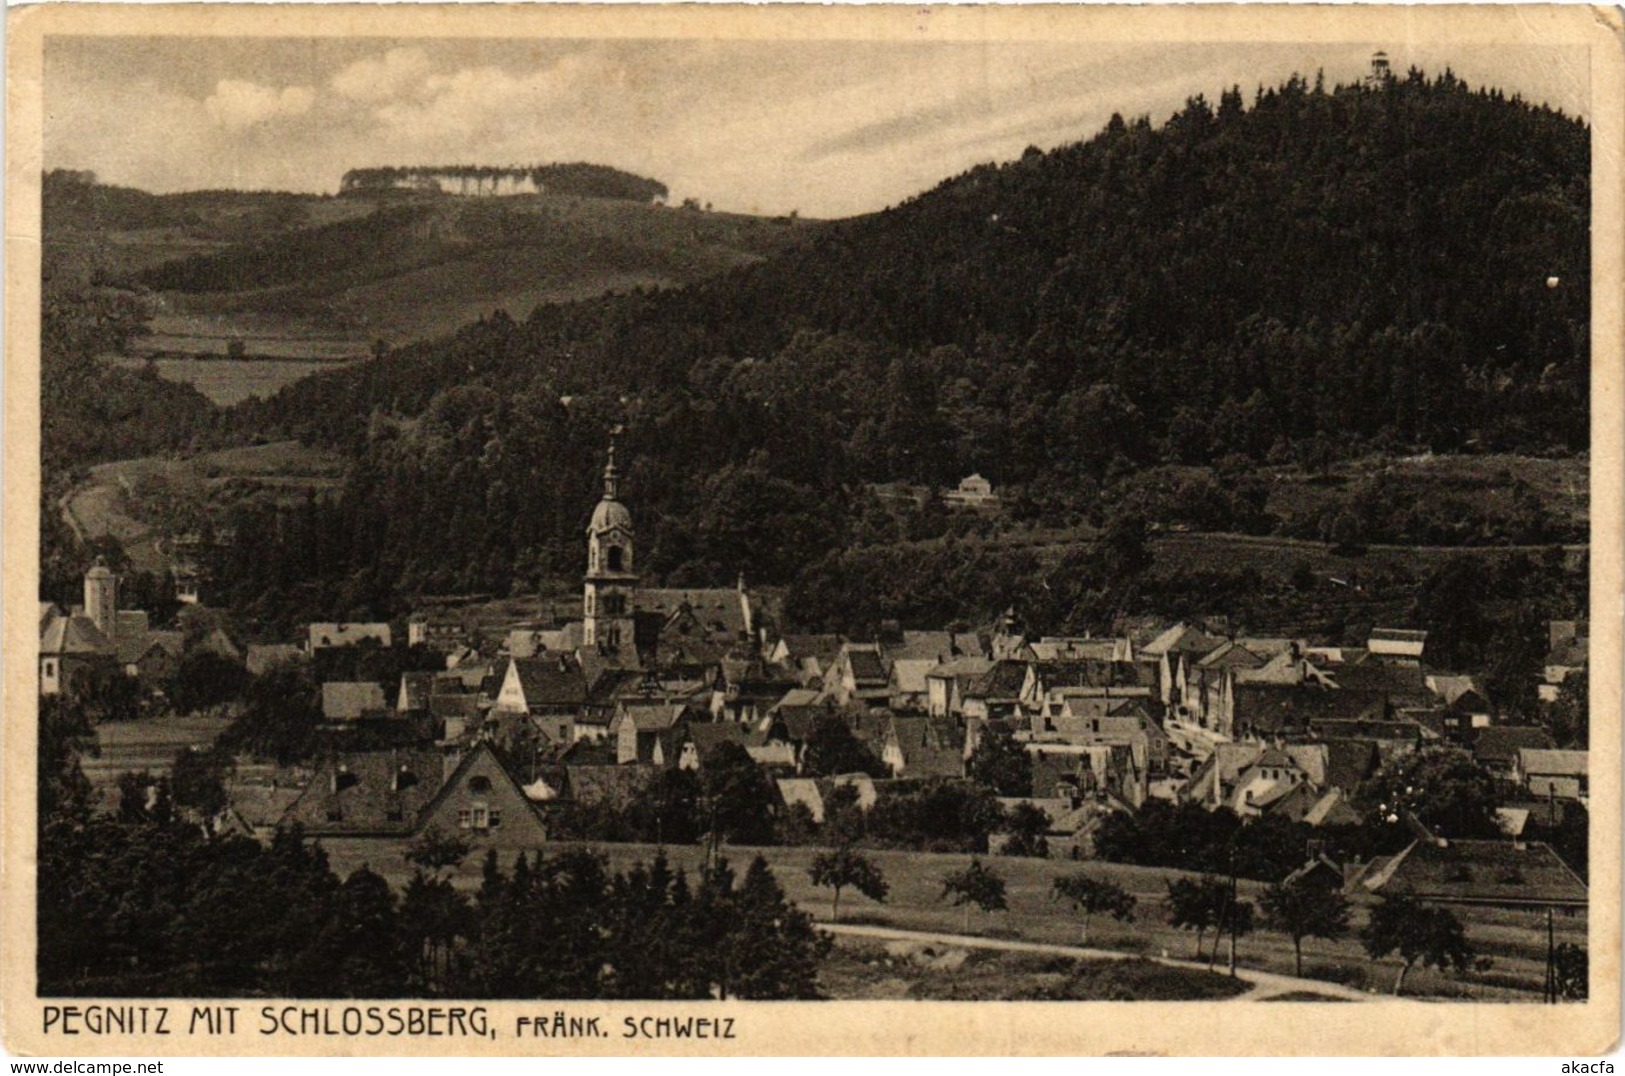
(398, 71)
(236, 104)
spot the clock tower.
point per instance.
(612, 578)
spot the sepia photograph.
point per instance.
(874, 509)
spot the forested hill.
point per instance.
(1398, 266)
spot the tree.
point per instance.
(1301, 909)
(975, 885)
(773, 947)
(203, 679)
(195, 782)
(1197, 904)
(845, 866)
(1444, 787)
(1569, 717)
(1094, 896)
(1025, 826)
(832, 749)
(1418, 933)
(1000, 764)
(435, 851)
(738, 803)
(1572, 968)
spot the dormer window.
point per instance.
(479, 783)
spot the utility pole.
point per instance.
(1232, 910)
(1551, 961)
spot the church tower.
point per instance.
(101, 597)
(611, 578)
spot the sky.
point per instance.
(827, 129)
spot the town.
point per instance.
(686, 716)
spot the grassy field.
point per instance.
(133, 746)
(1515, 941)
(862, 970)
(449, 261)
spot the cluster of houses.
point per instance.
(587, 709)
(99, 639)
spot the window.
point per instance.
(480, 818)
(614, 604)
(465, 818)
(479, 783)
(50, 668)
(614, 558)
(590, 597)
(494, 819)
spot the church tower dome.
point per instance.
(611, 581)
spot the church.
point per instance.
(631, 627)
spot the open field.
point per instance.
(1514, 940)
(133, 746)
(231, 382)
(860, 969)
(312, 278)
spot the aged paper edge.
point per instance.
(1380, 1027)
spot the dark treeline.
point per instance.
(1321, 274)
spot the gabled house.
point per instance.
(1569, 653)
(647, 731)
(1496, 748)
(399, 794)
(996, 694)
(546, 685)
(1463, 698)
(909, 691)
(807, 657)
(915, 747)
(347, 701)
(698, 741)
(947, 684)
(1564, 775)
(1504, 874)
(1398, 646)
(860, 676)
(1176, 651)
(1272, 710)
(262, 658)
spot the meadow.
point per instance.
(1514, 941)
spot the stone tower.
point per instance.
(101, 598)
(612, 579)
